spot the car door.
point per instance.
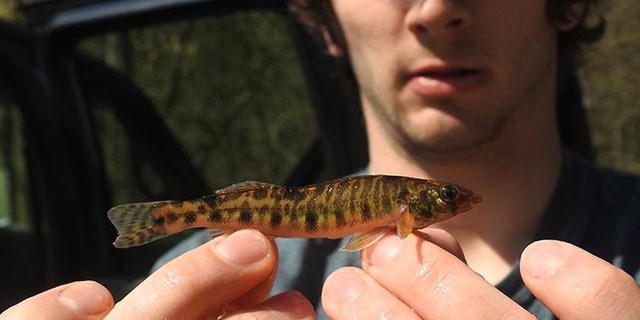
(147, 100)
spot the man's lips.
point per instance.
(446, 73)
(439, 81)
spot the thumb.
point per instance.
(575, 284)
(85, 300)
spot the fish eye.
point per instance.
(449, 193)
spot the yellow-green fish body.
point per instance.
(364, 206)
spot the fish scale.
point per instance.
(365, 207)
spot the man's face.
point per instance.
(441, 76)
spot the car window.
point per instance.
(14, 179)
(229, 88)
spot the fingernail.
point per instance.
(383, 251)
(243, 247)
(86, 297)
(343, 286)
(291, 305)
(287, 305)
(543, 258)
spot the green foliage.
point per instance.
(8, 9)
(230, 89)
(14, 179)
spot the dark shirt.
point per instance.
(595, 208)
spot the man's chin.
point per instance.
(449, 146)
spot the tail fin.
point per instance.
(135, 224)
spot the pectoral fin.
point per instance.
(405, 221)
(359, 241)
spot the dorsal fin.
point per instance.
(246, 185)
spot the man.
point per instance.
(462, 91)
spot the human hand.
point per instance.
(574, 284)
(229, 274)
(415, 278)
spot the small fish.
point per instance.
(365, 207)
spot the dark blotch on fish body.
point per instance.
(366, 212)
(340, 221)
(215, 216)
(311, 222)
(190, 217)
(246, 218)
(275, 221)
(158, 221)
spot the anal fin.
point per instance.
(360, 241)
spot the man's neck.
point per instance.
(516, 186)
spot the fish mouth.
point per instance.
(469, 201)
(475, 199)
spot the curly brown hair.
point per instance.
(318, 15)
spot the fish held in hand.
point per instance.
(363, 207)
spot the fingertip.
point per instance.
(383, 250)
(86, 298)
(548, 259)
(542, 259)
(343, 286)
(571, 282)
(444, 240)
(290, 305)
(77, 300)
(243, 247)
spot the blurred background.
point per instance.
(611, 84)
(107, 102)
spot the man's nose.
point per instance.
(436, 16)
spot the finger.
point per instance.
(85, 300)
(288, 305)
(203, 281)
(575, 284)
(351, 293)
(444, 240)
(434, 282)
(259, 292)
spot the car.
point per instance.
(106, 102)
